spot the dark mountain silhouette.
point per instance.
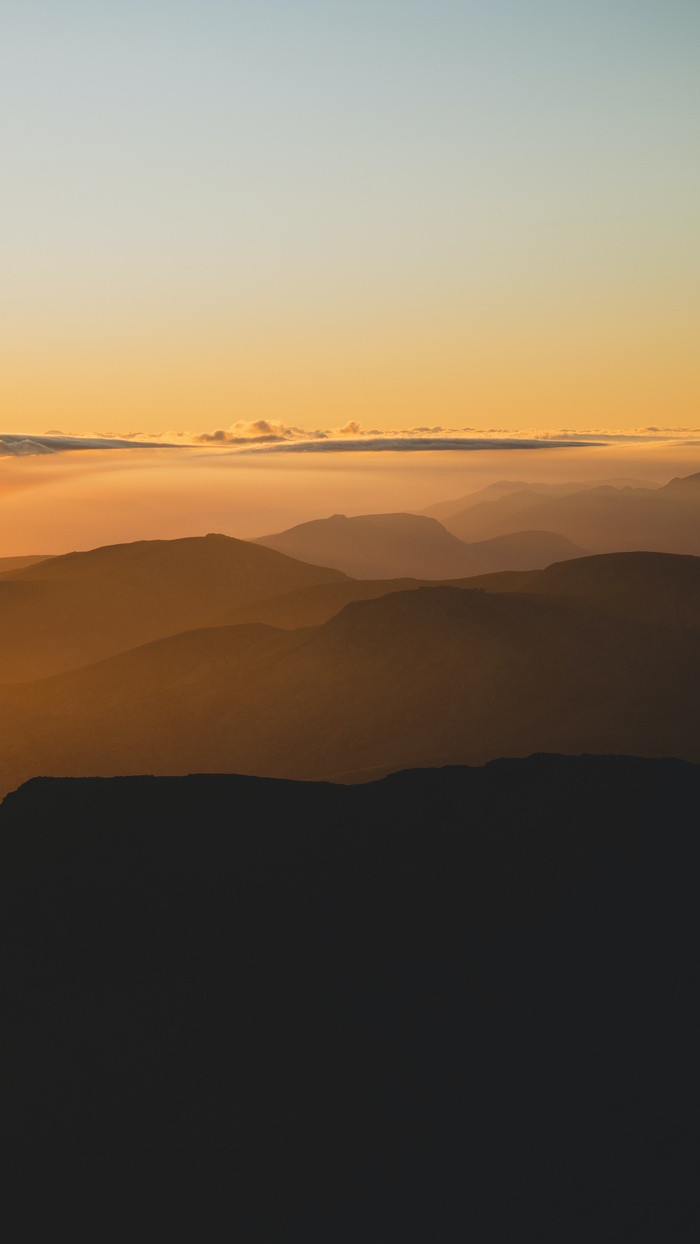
(504, 488)
(385, 546)
(415, 677)
(649, 586)
(452, 1005)
(10, 564)
(605, 519)
(658, 587)
(311, 606)
(68, 611)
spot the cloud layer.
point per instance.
(264, 436)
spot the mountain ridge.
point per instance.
(384, 683)
(401, 545)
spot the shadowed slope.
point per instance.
(453, 1005)
(658, 587)
(10, 564)
(411, 678)
(69, 611)
(312, 606)
(655, 587)
(599, 519)
(384, 546)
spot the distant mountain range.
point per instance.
(504, 488)
(414, 677)
(67, 611)
(506, 526)
(383, 546)
(221, 655)
(603, 519)
(19, 563)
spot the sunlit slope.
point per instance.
(384, 546)
(411, 678)
(73, 610)
(601, 520)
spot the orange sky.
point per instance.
(516, 367)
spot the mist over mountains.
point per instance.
(603, 519)
(219, 655)
(423, 676)
(67, 611)
(504, 488)
(382, 546)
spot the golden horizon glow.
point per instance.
(312, 214)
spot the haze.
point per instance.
(67, 501)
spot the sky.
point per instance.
(317, 212)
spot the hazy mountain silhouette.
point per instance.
(68, 611)
(452, 1005)
(658, 587)
(648, 586)
(310, 606)
(415, 677)
(504, 488)
(602, 519)
(385, 546)
(8, 564)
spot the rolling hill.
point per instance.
(69, 611)
(9, 564)
(386, 546)
(425, 676)
(661, 588)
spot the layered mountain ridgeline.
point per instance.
(411, 678)
(656, 587)
(68, 611)
(649, 586)
(604, 519)
(450, 1005)
(504, 488)
(384, 546)
(8, 564)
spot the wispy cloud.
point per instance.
(265, 437)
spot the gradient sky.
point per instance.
(314, 211)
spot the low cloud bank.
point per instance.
(374, 444)
(21, 447)
(266, 436)
(263, 436)
(15, 446)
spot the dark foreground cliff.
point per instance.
(457, 1004)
